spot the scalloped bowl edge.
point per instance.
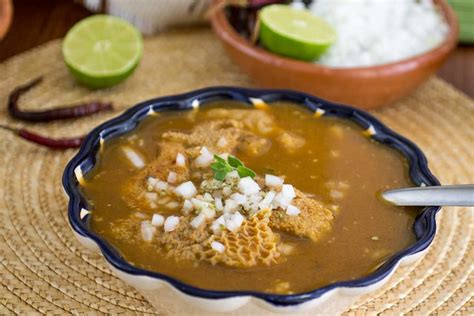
(165, 292)
(163, 295)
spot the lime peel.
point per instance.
(295, 33)
(101, 50)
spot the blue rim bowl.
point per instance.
(424, 226)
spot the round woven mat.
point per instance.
(44, 269)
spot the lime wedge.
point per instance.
(102, 50)
(294, 33)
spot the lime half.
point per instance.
(294, 33)
(101, 50)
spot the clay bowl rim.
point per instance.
(226, 32)
(7, 16)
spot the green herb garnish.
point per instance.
(234, 162)
(222, 167)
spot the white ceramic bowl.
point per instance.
(168, 293)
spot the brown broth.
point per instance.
(365, 233)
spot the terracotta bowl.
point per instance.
(6, 14)
(365, 87)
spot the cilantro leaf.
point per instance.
(234, 162)
(216, 166)
(245, 172)
(219, 159)
(220, 175)
(221, 168)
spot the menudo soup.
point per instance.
(235, 198)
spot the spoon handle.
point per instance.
(447, 195)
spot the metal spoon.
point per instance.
(446, 195)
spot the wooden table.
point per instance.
(38, 21)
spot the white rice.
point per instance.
(374, 32)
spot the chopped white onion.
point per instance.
(172, 205)
(187, 207)
(151, 196)
(255, 198)
(198, 221)
(292, 210)
(239, 198)
(208, 212)
(171, 222)
(161, 186)
(157, 220)
(216, 225)
(267, 201)
(151, 183)
(280, 201)
(227, 190)
(234, 222)
(134, 157)
(237, 218)
(218, 202)
(205, 158)
(288, 191)
(222, 142)
(232, 175)
(230, 206)
(147, 231)
(273, 181)
(187, 190)
(230, 225)
(208, 197)
(199, 204)
(180, 160)
(248, 186)
(172, 177)
(217, 246)
(335, 194)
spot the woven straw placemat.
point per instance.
(44, 269)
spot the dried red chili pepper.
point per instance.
(53, 143)
(58, 113)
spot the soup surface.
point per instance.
(155, 197)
